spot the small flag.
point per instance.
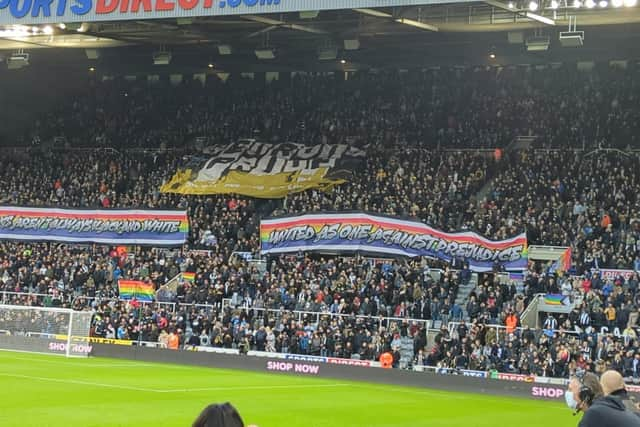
(562, 264)
(554, 299)
(141, 291)
(189, 277)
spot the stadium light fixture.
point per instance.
(18, 60)
(48, 30)
(417, 24)
(343, 61)
(92, 69)
(511, 5)
(540, 18)
(62, 26)
(590, 4)
(554, 4)
(162, 57)
(603, 3)
(210, 65)
(351, 44)
(265, 53)
(533, 6)
(630, 3)
(224, 49)
(616, 3)
(577, 4)
(374, 12)
(327, 53)
(83, 28)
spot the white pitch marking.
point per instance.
(149, 390)
(257, 387)
(89, 362)
(67, 381)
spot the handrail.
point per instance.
(533, 306)
(318, 314)
(4, 295)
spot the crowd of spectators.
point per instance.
(585, 200)
(453, 108)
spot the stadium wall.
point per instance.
(454, 383)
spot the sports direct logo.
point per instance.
(121, 9)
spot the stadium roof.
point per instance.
(402, 36)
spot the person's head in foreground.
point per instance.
(583, 391)
(585, 395)
(612, 383)
(219, 415)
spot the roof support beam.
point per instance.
(281, 24)
(525, 14)
(405, 21)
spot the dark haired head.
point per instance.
(219, 415)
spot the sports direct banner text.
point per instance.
(351, 232)
(136, 227)
(257, 169)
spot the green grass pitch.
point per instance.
(41, 390)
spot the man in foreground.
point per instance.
(585, 395)
(613, 385)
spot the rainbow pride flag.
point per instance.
(554, 299)
(562, 264)
(565, 260)
(130, 289)
(189, 277)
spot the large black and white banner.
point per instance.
(265, 170)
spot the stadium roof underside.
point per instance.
(384, 35)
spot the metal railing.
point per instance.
(318, 315)
(6, 296)
(529, 316)
(500, 331)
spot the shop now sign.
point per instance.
(299, 368)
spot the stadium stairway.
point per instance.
(463, 294)
(522, 142)
(406, 352)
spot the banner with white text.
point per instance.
(134, 227)
(263, 170)
(360, 232)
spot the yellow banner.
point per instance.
(110, 341)
(260, 186)
(97, 340)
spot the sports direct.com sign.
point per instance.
(28, 12)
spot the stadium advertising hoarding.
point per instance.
(613, 274)
(360, 232)
(296, 367)
(54, 11)
(263, 170)
(116, 227)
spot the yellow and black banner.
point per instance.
(264, 170)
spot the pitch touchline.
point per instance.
(67, 381)
(257, 387)
(90, 363)
(149, 390)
